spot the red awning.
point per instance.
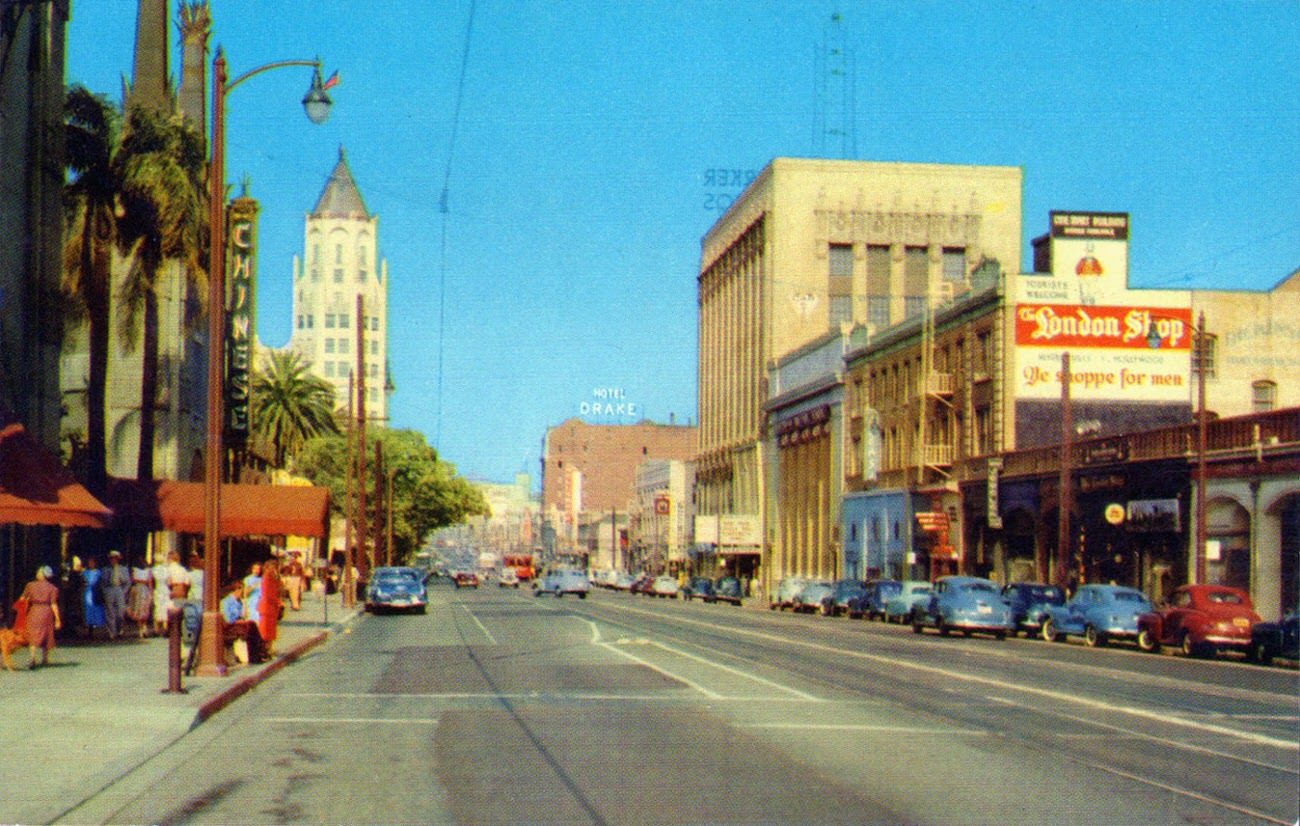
(36, 489)
(246, 510)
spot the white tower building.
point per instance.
(342, 262)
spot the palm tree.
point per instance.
(160, 168)
(90, 200)
(290, 405)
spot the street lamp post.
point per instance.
(317, 104)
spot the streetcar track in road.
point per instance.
(1058, 696)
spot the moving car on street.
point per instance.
(508, 578)
(1200, 620)
(397, 589)
(1098, 613)
(563, 581)
(664, 586)
(465, 579)
(964, 603)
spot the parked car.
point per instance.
(396, 589)
(698, 587)
(508, 578)
(622, 581)
(561, 581)
(877, 593)
(911, 594)
(664, 586)
(1098, 613)
(1275, 639)
(846, 592)
(465, 579)
(964, 603)
(1029, 602)
(642, 584)
(815, 595)
(728, 589)
(1201, 620)
(786, 590)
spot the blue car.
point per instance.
(964, 603)
(877, 593)
(1029, 602)
(899, 608)
(396, 588)
(1098, 613)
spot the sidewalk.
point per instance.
(99, 710)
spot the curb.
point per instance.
(242, 686)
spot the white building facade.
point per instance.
(340, 263)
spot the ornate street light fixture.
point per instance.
(317, 104)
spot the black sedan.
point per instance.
(1275, 639)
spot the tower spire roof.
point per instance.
(340, 198)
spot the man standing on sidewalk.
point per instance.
(117, 578)
(293, 574)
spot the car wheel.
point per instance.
(916, 625)
(1001, 635)
(582, 595)
(1188, 646)
(1258, 652)
(941, 627)
(1148, 642)
(1049, 631)
(826, 610)
(1093, 638)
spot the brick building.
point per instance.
(588, 472)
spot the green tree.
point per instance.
(290, 405)
(160, 170)
(90, 209)
(427, 492)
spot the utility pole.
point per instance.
(1063, 495)
(345, 582)
(1201, 426)
(363, 545)
(379, 500)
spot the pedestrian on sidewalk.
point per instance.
(269, 604)
(139, 599)
(253, 591)
(161, 594)
(71, 589)
(42, 614)
(195, 571)
(116, 580)
(232, 609)
(92, 596)
(293, 575)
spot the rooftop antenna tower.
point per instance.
(835, 131)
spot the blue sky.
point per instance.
(582, 174)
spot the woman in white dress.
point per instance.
(162, 595)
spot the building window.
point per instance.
(841, 309)
(878, 311)
(301, 324)
(329, 369)
(338, 276)
(841, 260)
(913, 305)
(374, 323)
(344, 320)
(343, 345)
(329, 345)
(315, 274)
(310, 321)
(374, 348)
(1263, 396)
(329, 321)
(338, 253)
(954, 264)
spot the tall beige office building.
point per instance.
(342, 262)
(812, 245)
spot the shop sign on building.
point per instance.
(240, 317)
(1124, 345)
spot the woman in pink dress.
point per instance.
(42, 614)
(268, 608)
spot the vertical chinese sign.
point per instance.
(240, 317)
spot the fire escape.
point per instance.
(935, 442)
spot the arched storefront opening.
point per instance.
(1289, 549)
(1228, 549)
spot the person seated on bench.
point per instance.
(238, 628)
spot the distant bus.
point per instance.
(522, 563)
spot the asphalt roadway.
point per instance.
(499, 707)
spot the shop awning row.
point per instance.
(36, 489)
(246, 510)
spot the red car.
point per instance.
(465, 579)
(1200, 619)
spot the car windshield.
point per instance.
(393, 578)
(1129, 596)
(979, 587)
(1046, 593)
(889, 589)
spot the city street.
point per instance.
(502, 707)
